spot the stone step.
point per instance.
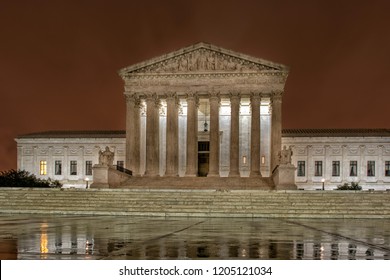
(196, 203)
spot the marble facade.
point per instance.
(165, 122)
(207, 111)
(307, 145)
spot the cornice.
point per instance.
(145, 76)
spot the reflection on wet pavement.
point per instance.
(112, 237)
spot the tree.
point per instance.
(23, 179)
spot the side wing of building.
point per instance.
(336, 155)
(339, 156)
(67, 156)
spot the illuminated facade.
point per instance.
(207, 111)
(336, 155)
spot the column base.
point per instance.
(255, 174)
(151, 175)
(234, 174)
(171, 175)
(213, 175)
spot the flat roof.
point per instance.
(76, 134)
(306, 132)
(336, 132)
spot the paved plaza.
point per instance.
(109, 237)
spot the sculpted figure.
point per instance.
(201, 62)
(106, 157)
(183, 64)
(285, 155)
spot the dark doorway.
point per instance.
(203, 158)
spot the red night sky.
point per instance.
(59, 59)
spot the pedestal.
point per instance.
(284, 177)
(100, 177)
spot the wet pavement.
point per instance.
(113, 237)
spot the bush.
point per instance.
(349, 187)
(23, 179)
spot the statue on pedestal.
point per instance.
(106, 157)
(285, 155)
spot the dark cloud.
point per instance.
(59, 59)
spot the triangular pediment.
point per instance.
(200, 58)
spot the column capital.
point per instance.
(255, 96)
(235, 96)
(170, 95)
(215, 96)
(193, 96)
(153, 97)
(131, 96)
(276, 97)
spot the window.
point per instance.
(318, 168)
(120, 163)
(43, 167)
(203, 146)
(301, 168)
(370, 168)
(88, 167)
(57, 167)
(387, 168)
(73, 167)
(353, 168)
(336, 168)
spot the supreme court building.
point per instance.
(204, 111)
(203, 99)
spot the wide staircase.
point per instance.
(197, 203)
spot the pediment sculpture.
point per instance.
(203, 60)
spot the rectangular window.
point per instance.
(370, 168)
(353, 168)
(387, 168)
(57, 167)
(301, 168)
(203, 146)
(335, 168)
(73, 167)
(120, 163)
(318, 168)
(88, 167)
(43, 167)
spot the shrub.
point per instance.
(349, 187)
(23, 179)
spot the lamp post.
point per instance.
(323, 184)
(87, 181)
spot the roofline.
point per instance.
(337, 132)
(122, 72)
(74, 134)
(323, 132)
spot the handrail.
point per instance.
(124, 170)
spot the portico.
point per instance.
(240, 116)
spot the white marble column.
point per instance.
(234, 134)
(362, 165)
(192, 135)
(380, 169)
(152, 135)
(255, 135)
(65, 164)
(310, 164)
(172, 142)
(133, 133)
(215, 101)
(276, 129)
